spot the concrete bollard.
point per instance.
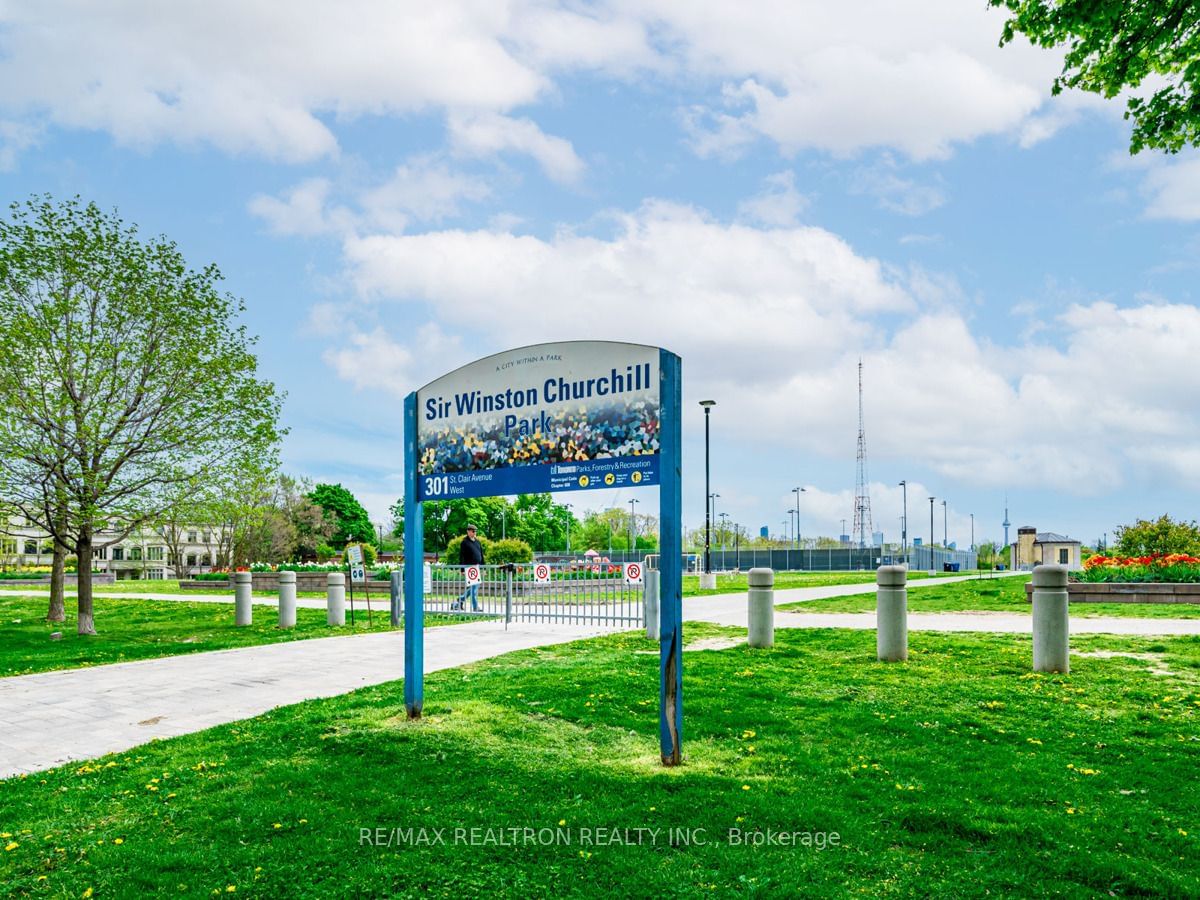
(762, 608)
(243, 607)
(1051, 621)
(708, 581)
(287, 599)
(651, 576)
(335, 598)
(891, 613)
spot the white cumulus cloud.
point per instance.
(779, 318)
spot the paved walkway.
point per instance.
(55, 717)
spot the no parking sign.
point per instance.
(473, 574)
(633, 573)
(541, 573)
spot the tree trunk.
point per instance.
(83, 552)
(58, 606)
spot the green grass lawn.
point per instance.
(732, 584)
(957, 773)
(994, 594)
(145, 629)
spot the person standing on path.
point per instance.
(470, 553)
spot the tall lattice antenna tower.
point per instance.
(862, 499)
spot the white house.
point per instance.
(145, 553)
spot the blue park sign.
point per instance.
(569, 416)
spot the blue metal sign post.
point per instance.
(670, 540)
(532, 420)
(414, 570)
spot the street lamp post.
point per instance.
(724, 516)
(945, 530)
(931, 537)
(797, 491)
(570, 522)
(632, 531)
(708, 405)
(904, 524)
(972, 532)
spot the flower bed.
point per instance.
(1164, 568)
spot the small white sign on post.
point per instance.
(474, 575)
(358, 573)
(541, 573)
(428, 578)
(633, 573)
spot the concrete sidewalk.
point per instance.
(55, 717)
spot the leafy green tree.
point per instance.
(1162, 535)
(237, 505)
(603, 531)
(511, 550)
(1117, 45)
(986, 552)
(542, 523)
(444, 519)
(297, 525)
(124, 375)
(351, 520)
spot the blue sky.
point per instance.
(772, 192)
